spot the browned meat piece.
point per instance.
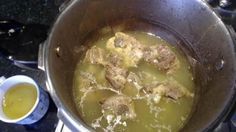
(95, 55)
(161, 56)
(119, 105)
(115, 59)
(126, 46)
(170, 88)
(116, 76)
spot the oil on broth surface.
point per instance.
(167, 115)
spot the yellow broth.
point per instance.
(19, 100)
(167, 115)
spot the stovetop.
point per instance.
(25, 24)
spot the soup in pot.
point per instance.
(133, 81)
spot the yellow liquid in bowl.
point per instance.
(19, 100)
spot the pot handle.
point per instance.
(62, 127)
(69, 123)
(41, 56)
(232, 34)
(64, 5)
(231, 116)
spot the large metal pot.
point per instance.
(199, 28)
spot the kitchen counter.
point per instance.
(30, 11)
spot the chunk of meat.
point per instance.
(115, 59)
(161, 56)
(121, 41)
(170, 88)
(95, 55)
(168, 91)
(119, 105)
(126, 46)
(116, 76)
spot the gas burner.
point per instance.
(226, 9)
(226, 4)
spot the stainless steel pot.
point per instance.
(196, 26)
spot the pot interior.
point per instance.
(191, 25)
